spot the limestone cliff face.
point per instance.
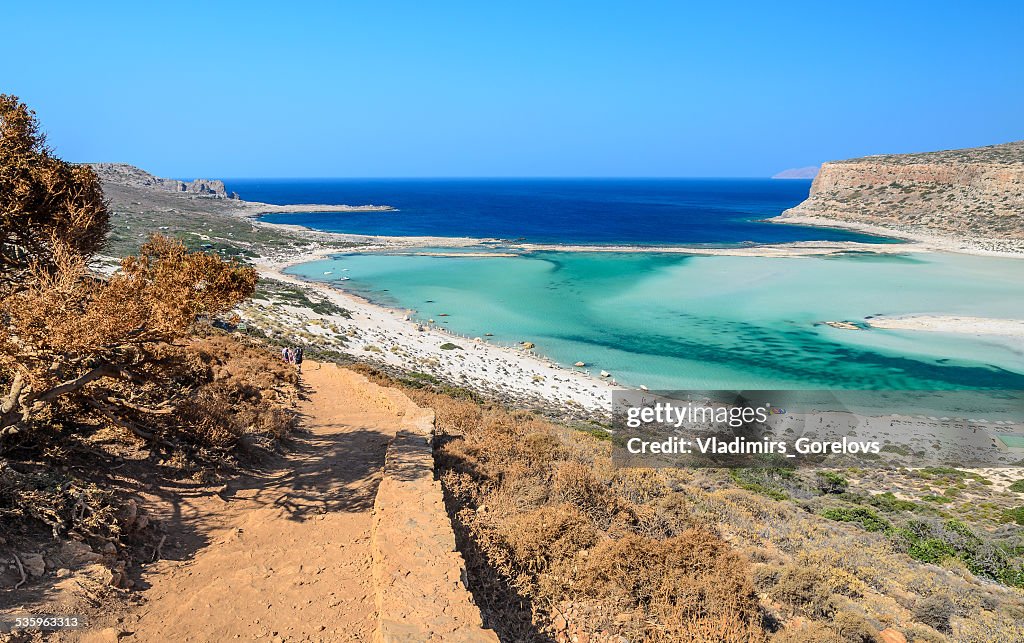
(977, 192)
(124, 174)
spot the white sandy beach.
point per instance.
(376, 333)
(507, 249)
(915, 241)
(1011, 330)
(921, 241)
(791, 249)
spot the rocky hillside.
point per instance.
(975, 193)
(129, 175)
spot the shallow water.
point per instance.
(670, 321)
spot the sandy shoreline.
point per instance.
(914, 241)
(368, 243)
(401, 342)
(921, 241)
(790, 249)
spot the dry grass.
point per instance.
(560, 544)
(549, 526)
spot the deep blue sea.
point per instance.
(598, 211)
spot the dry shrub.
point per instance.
(986, 626)
(541, 448)
(47, 206)
(639, 486)
(103, 383)
(805, 589)
(682, 580)
(550, 533)
(243, 391)
(936, 611)
(575, 483)
(852, 627)
(76, 350)
(807, 632)
(917, 633)
(544, 508)
(47, 498)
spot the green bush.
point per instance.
(889, 502)
(829, 482)
(863, 516)
(766, 481)
(1014, 515)
(934, 543)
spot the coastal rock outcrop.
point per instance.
(125, 174)
(975, 192)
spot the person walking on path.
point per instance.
(297, 357)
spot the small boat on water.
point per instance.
(329, 272)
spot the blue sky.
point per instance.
(589, 88)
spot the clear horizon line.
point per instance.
(485, 178)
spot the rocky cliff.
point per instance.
(975, 193)
(124, 174)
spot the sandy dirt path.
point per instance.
(288, 554)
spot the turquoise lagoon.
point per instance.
(672, 321)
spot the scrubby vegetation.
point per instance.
(110, 383)
(560, 545)
(592, 549)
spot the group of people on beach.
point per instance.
(293, 356)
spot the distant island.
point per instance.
(966, 199)
(798, 173)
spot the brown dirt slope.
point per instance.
(289, 556)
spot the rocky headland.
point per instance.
(127, 183)
(129, 175)
(970, 199)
